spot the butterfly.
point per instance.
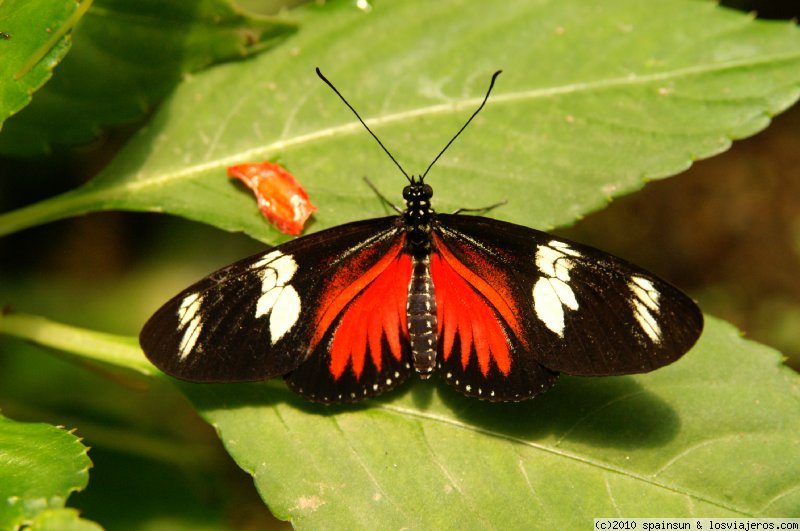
(497, 310)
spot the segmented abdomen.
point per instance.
(421, 313)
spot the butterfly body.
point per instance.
(421, 304)
(496, 310)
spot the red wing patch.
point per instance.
(371, 308)
(379, 311)
(469, 306)
(359, 347)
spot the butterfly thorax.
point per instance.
(417, 217)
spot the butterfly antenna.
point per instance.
(327, 82)
(491, 85)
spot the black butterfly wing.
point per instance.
(568, 306)
(381, 371)
(256, 318)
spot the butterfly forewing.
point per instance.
(256, 318)
(572, 308)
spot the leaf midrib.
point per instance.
(557, 452)
(354, 126)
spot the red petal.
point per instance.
(281, 198)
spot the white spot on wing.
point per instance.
(266, 260)
(564, 248)
(284, 313)
(643, 283)
(267, 301)
(278, 299)
(646, 301)
(565, 293)
(189, 320)
(545, 260)
(548, 306)
(188, 309)
(562, 269)
(552, 293)
(286, 267)
(646, 321)
(645, 292)
(189, 338)
(269, 279)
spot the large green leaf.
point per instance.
(595, 99)
(126, 57)
(35, 37)
(40, 465)
(715, 434)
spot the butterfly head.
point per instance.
(417, 192)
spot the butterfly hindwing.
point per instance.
(255, 319)
(570, 307)
(379, 370)
(361, 346)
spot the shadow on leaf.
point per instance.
(616, 412)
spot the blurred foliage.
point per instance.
(147, 443)
(125, 59)
(35, 38)
(767, 9)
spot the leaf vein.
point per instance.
(366, 469)
(450, 477)
(686, 451)
(611, 495)
(562, 454)
(778, 496)
(545, 92)
(595, 411)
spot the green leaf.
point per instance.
(62, 520)
(594, 100)
(35, 39)
(715, 434)
(40, 465)
(105, 348)
(126, 57)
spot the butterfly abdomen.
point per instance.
(421, 314)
